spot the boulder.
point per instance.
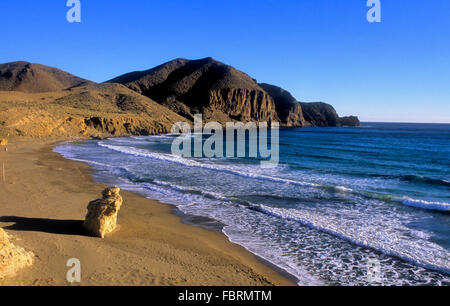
(350, 121)
(101, 218)
(12, 258)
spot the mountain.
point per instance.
(223, 93)
(34, 78)
(218, 91)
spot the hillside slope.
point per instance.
(89, 110)
(34, 78)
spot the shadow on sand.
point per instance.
(60, 227)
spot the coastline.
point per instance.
(45, 202)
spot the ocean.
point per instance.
(345, 206)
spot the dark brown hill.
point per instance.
(33, 78)
(218, 91)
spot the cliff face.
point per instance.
(288, 109)
(320, 114)
(241, 104)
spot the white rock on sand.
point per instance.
(12, 258)
(101, 218)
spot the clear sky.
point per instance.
(319, 50)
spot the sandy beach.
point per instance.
(43, 203)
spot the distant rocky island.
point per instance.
(40, 101)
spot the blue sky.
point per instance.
(319, 50)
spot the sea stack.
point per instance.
(101, 218)
(12, 258)
(350, 121)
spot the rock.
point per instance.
(3, 142)
(288, 108)
(12, 258)
(350, 121)
(101, 218)
(111, 192)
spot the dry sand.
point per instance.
(43, 203)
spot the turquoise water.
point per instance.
(339, 199)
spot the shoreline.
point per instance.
(216, 226)
(203, 222)
(47, 194)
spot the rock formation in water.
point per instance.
(12, 258)
(101, 218)
(323, 115)
(350, 121)
(293, 113)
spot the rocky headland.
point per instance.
(222, 93)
